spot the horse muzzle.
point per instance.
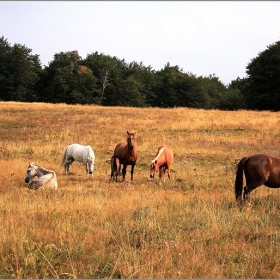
(152, 176)
(26, 180)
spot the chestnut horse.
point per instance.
(162, 161)
(126, 154)
(259, 170)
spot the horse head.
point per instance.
(31, 172)
(90, 165)
(130, 141)
(153, 168)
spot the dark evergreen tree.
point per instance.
(175, 88)
(144, 79)
(110, 73)
(262, 90)
(65, 80)
(19, 72)
(214, 89)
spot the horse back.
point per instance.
(167, 156)
(265, 169)
(79, 152)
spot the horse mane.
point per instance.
(158, 155)
(44, 170)
(90, 152)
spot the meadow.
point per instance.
(188, 227)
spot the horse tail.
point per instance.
(239, 178)
(63, 157)
(116, 161)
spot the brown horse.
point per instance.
(162, 161)
(259, 170)
(115, 162)
(127, 154)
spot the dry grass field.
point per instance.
(188, 227)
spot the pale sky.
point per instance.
(201, 37)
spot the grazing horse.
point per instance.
(46, 178)
(259, 170)
(79, 153)
(126, 154)
(162, 162)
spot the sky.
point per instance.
(201, 37)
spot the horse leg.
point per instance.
(132, 171)
(124, 171)
(117, 169)
(250, 187)
(162, 173)
(113, 169)
(35, 184)
(169, 172)
(68, 163)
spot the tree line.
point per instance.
(109, 81)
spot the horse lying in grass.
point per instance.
(46, 178)
(162, 162)
(127, 154)
(79, 153)
(259, 170)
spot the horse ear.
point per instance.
(127, 132)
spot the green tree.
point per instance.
(66, 80)
(262, 90)
(144, 79)
(176, 88)
(129, 94)
(214, 89)
(19, 72)
(110, 73)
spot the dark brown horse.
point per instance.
(259, 170)
(115, 162)
(127, 154)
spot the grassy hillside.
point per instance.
(189, 227)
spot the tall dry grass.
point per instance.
(189, 227)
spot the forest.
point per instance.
(110, 81)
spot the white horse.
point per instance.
(79, 153)
(46, 178)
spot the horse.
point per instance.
(162, 162)
(259, 169)
(46, 178)
(79, 153)
(115, 162)
(126, 154)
